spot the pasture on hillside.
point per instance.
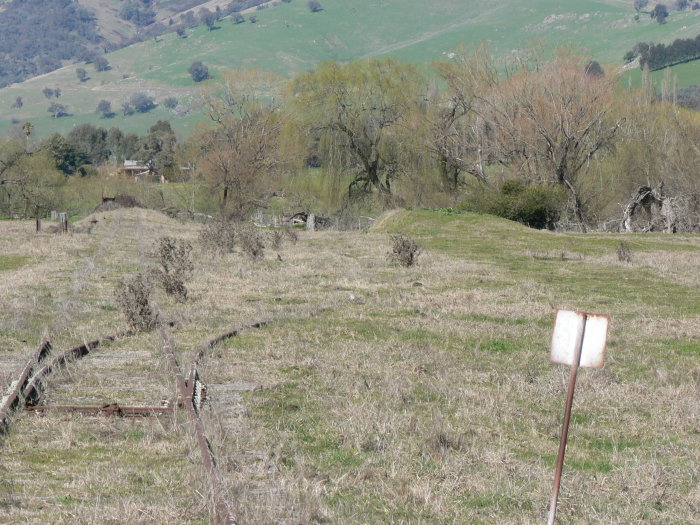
(376, 393)
(288, 39)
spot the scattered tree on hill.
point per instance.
(238, 18)
(198, 71)
(57, 110)
(81, 74)
(660, 13)
(18, 103)
(314, 6)
(101, 64)
(142, 102)
(139, 13)
(104, 108)
(682, 4)
(181, 32)
(170, 102)
(188, 19)
(48, 92)
(127, 109)
(252, 19)
(207, 17)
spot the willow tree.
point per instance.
(357, 112)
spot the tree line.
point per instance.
(659, 56)
(551, 143)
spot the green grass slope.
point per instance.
(288, 38)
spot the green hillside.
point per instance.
(288, 38)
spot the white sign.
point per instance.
(569, 327)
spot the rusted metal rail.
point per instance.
(13, 396)
(32, 390)
(221, 510)
(107, 409)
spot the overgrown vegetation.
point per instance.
(404, 250)
(175, 266)
(133, 295)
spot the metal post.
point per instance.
(38, 224)
(565, 427)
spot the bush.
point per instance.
(133, 296)
(404, 251)
(174, 258)
(537, 206)
(142, 102)
(198, 71)
(101, 64)
(276, 237)
(170, 102)
(624, 254)
(251, 241)
(218, 236)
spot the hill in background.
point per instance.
(288, 38)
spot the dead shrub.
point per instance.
(251, 241)
(133, 295)
(218, 236)
(404, 251)
(174, 258)
(624, 253)
(291, 235)
(277, 237)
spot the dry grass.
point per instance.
(378, 394)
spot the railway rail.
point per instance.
(26, 394)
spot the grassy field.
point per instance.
(377, 393)
(287, 39)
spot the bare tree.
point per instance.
(548, 125)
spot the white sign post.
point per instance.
(578, 340)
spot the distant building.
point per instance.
(141, 172)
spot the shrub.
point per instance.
(404, 251)
(142, 102)
(537, 206)
(277, 236)
(624, 254)
(218, 236)
(198, 71)
(133, 296)
(251, 241)
(174, 258)
(170, 102)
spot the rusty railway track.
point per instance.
(26, 391)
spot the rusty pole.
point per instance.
(565, 427)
